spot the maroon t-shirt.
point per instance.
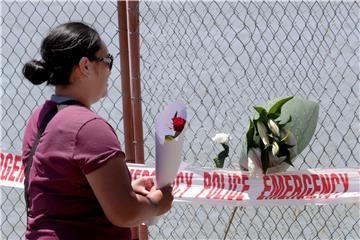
(62, 204)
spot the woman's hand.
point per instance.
(126, 203)
(143, 185)
(162, 198)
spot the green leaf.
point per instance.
(284, 139)
(276, 108)
(220, 159)
(304, 117)
(288, 160)
(282, 125)
(168, 138)
(218, 163)
(289, 120)
(223, 154)
(265, 159)
(262, 113)
(288, 146)
(273, 115)
(226, 147)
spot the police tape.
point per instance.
(234, 188)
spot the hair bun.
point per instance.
(35, 72)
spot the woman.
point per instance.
(78, 184)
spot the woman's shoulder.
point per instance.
(77, 114)
(72, 118)
(68, 113)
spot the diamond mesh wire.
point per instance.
(221, 58)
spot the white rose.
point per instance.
(221, 138)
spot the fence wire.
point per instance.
(221, 58)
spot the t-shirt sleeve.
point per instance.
(96, 143)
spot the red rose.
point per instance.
(178, 124)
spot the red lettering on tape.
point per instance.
(245, 187)
(334, 178)
(188, 180)
(207, 183)
(267, 188)
(216, 185)
(179, 179)
(325, 182)
(306, 188)
(15, 168)
(236, 181)
(297, 187)
(345, 180)
(7, 167)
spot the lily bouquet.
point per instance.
(277, 136)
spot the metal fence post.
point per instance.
(125, 81)
(126, 90)
(134, 57)
(134, 48)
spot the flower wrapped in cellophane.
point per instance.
(169, 138)
(277, 136)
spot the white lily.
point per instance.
(275, 148)
(262, 133)
(274, 127)
(277, 164)
(221, 138)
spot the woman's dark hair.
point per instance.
(60, 51)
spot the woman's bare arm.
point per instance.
(122, 206)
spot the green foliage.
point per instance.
(304, 117)
(292, 115)
(276, 108)
(169, 138)
(262, 113)
(265, 158)
(250, 135)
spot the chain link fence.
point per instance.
(221, 58)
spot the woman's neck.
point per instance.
(71, 92)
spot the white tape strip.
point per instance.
(234, 188)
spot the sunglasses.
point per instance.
(108, 60)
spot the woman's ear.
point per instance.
(84, 66)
